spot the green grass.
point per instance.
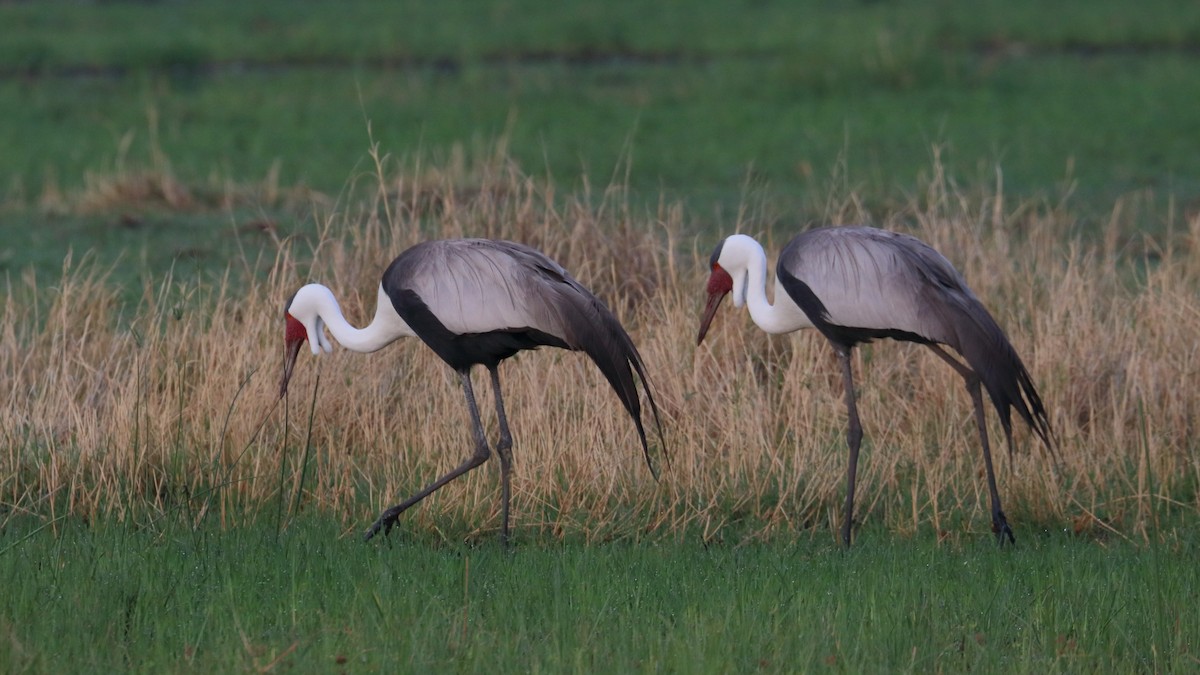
(128, 34)
(111, 597)
(708, 97)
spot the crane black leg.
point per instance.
(853, 439)
(999, 522)
(388, 518)
(504, 450)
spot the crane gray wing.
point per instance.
(478, 285)
(864, 278)
(513, 297)
(858, 283)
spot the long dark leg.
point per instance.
(853, 439)
(388, 518)
(504, 449)
(999, 522)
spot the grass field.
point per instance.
(127, 599)
(164, 188)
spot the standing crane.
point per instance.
(476, 302)
(857, 284)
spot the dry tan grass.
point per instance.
(172, 408)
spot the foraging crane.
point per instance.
(856, 284)
(476, 302)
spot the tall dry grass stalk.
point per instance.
(170, 408)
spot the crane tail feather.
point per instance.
(609, 346)
(1009, 385)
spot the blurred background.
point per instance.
(156, 131)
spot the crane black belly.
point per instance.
(849, 336)
(463, 350)
(489, 349)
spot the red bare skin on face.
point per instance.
(720, 282)
(295, 331)
(294, 336)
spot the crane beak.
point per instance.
(710, 311)
(294, 337)
(719, 285)
(291, 350)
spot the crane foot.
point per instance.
(385, 522)
(1001, 528)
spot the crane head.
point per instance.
(293, 338)
(719, 285)
(304, 324)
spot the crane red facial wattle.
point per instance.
(295, 331)
(293, 336)
(719, 282)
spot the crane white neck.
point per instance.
(747, 264)
(314, 305)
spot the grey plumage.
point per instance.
(868, 283)
(479, 301)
